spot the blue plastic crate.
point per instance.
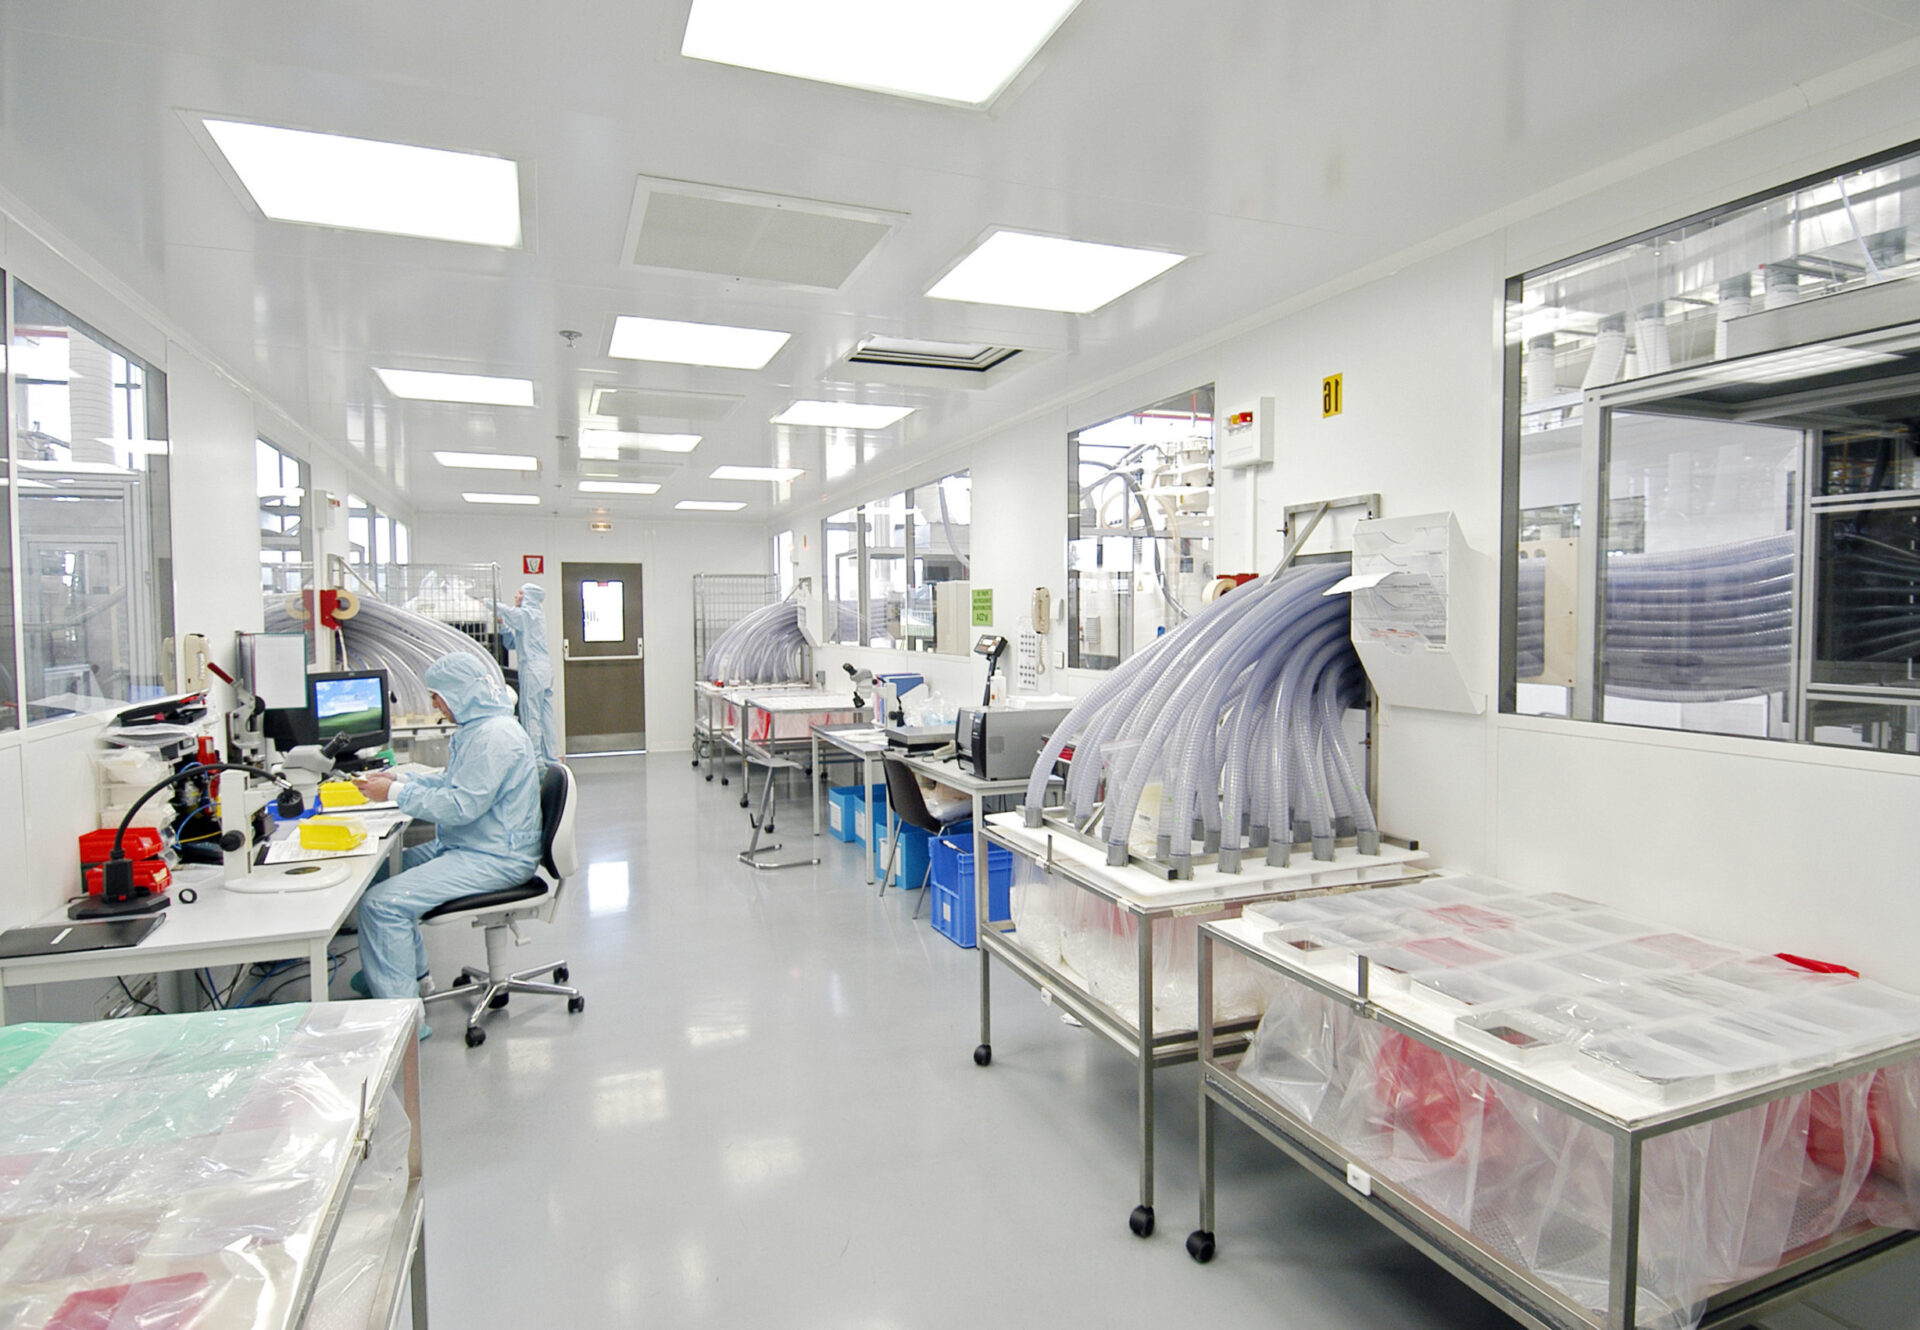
(953, 913)
(910, 866)
(843, 812)
(875, 802)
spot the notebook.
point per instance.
(95, 935)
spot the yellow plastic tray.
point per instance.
(340, 794)
(331, 835)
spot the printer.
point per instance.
(998, 743)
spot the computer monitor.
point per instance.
(350, 702)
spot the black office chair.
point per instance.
(910, 807)
(499, 912)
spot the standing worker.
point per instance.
(523, 626)
(486, 805)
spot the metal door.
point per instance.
(601, 648)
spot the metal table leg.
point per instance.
(750, 855)
(813, 750)
(1141, 1220)
(982, 913)
(1200, 1242)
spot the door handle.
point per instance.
(593, 660)
(566, 649)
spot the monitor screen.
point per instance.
(354, 704)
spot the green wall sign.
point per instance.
(983, 608)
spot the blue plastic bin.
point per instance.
(876, 801)
(843, 803)
(953, 913)
(910, 865)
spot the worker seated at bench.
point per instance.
(486, 805)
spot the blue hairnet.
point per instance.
(535, 593)
(467, 688)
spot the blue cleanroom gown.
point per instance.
(524, 628)
(487, 807)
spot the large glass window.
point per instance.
(1713, 496)
(89, 427)
(840, 565)
(285, 545)
(890, 535)
(1139, 526)
(938, 614)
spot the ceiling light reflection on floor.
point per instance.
(630, 1099)
(607, 887)
(757, 1163)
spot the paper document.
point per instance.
(289, 850)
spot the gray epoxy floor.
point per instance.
(769, 1115)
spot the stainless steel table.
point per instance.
(857, 739)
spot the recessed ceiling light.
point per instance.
(709, 506)
(366, 185)
(673, 343)
(756, 472)
(842, 415)
(947, 52)
(604, 445)
(501, 498)
(618, 487)
(480, 389)
(1045, 272)
(489, 461)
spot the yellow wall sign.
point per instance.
(1330, 402)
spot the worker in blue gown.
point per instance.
(523, 626)
(486, 805)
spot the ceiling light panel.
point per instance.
(709, 506)
(294, 175)
(936, 50)
(757, 472)
(606, 445)
(489, 461)
(710, 344)
(632, 405)
(618, 487)
(500, 498)
(435, 386)
(842, 415)
(1046, 272)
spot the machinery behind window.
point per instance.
(1140, 526)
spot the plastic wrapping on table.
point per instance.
(1724, 1201)
(173, 1171)
(343, 1299)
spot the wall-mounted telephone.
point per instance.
(1042, 608)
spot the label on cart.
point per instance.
(1046, 995)
(1359, 1179)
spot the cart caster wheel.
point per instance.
(983, 1055)
(576, 1005)
(695, 762)
(709, 778)
(1200, 1245)
(1141, 1221)
(560, 974)
(476, 1037)
(462, 980)
(723, 780)
(497, 1001)
(743, 801)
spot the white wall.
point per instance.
(669, 554)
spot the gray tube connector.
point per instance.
(1183, 867)
(1031, 817)
(1278, 852)
(1257, 838)
(1116, 855)
(1210, 843)
(1368, 842)
(1343, 826)
(1323, 848)
(1229, 861)
(1163, 846)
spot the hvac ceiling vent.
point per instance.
(967, 357)
(628, 404)
(677, 226)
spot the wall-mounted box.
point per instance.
(1412, 586)
(1245, 435)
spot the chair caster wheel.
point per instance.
(1200, 1245)
(560, 975)
(462, 980)
(724, 781)
(1141, 1221)
(576, 1005)
(497, 1001)
(476, 1037)
(983, 1055)
(769, 827)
